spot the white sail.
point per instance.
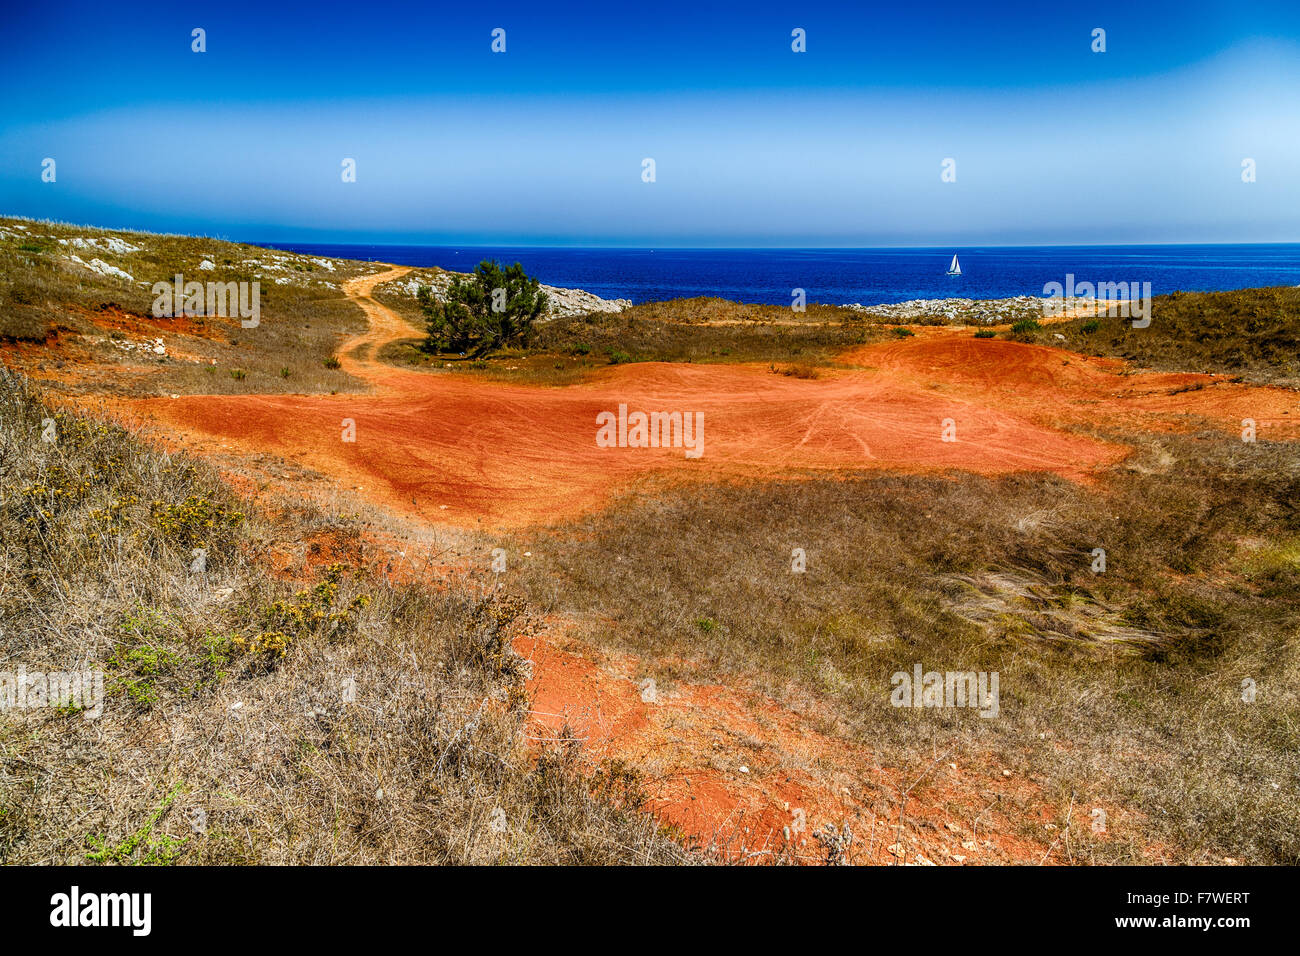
(955, 268)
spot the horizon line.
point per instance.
(680, 248)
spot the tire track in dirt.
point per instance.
(357, 355)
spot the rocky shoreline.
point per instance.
(562, 302)
(969, 311)
(567, 302)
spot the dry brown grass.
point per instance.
(251, 719)
(1253, 333)
(708, 330)
(798, 371)
(302, 321)
(1121, 690)
(567, 350)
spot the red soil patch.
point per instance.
(70, 358)
(1053, 386)
(509, 455)
(752, 780)
(34, 358)
(514, 455)
(111, 318)
(303, 559)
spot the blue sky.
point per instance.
(753, 144)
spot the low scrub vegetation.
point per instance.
(47, 297)
(1121, 688)
(566, 350)
(489, 309)
(1253, 333)
(253, 718)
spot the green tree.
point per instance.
(490, 308)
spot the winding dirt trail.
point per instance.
(357, 357)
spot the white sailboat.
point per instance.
(955, 268)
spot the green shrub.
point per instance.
(486, 310)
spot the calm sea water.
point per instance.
(869, 276)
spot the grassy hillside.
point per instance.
(1120, 689)
(329, 717)
(105, 319)
(564, 350)
(1252, 333)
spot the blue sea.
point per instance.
(868, 276)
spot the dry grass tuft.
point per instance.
(304, 317)
(1123, 687)
(250, 719)
(1253, 333)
